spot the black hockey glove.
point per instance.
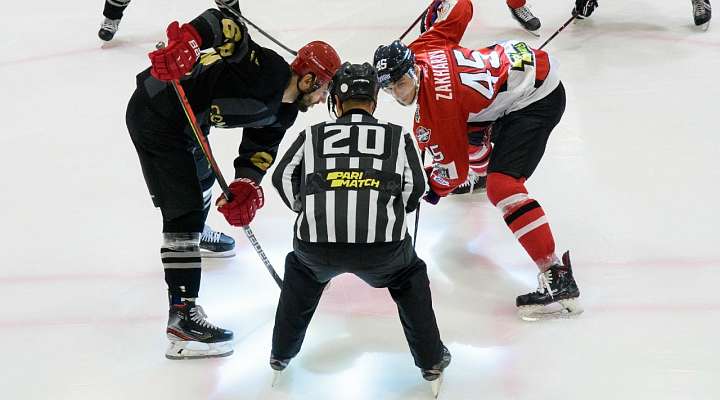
(431, 197)
(583, 8)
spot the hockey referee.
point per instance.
(352, 181)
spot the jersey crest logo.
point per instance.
(521, 57)
(262, 160)
(216, 117)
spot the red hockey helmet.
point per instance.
(317, 58)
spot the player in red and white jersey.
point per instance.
(509, 85)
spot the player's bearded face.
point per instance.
(404, 90)
(307, 100)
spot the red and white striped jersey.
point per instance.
(460, 85)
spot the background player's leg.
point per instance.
(479, 150)
(521, 13)
(113, 13)
(702, 12)
(213, 243)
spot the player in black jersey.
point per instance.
(352, 181)
(238, 84)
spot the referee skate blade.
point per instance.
(704, 27)
(562, 309)
(190, 350)
(276, 377)
(435, 386)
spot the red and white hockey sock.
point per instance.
(524, 216)
(479, 158)
(515, 3)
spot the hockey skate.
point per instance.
(435, 374)
(108, 28)
(473, 184)
(278, 365)
(526, 19)
(556, 296)
(702, 12)
(192, 336)
(216, 244)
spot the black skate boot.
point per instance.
(216, 244)
(434, 375)
(555, 286)
(702, 12)
(473, 184)
(278, 365)
(108, 28)
(526, 19)
(192, 336)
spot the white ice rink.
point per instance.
(629, 182)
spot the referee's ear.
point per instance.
(338, 106)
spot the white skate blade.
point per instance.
(568, 308)
(534, 33)
(189, 350)
(435, 386)
(217, 254)
(704, 27)
(276, 377)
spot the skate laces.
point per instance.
(523, 13)
(544, 281)
(471, 181)
(110, 24)
(210, 235)
(699, 6)
(198, 316)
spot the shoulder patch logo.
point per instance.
(262, 160)
(422, 134)
(521, 57)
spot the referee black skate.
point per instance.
(352, 181)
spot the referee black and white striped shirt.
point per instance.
(351, 180)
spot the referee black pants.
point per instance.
(394, 265)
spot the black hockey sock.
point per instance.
(114, 8)
(180, 254)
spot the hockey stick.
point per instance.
(559, 30)
(205, 146)
(413, 25)
(236, 14)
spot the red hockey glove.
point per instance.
(180, 55)
(248, 197)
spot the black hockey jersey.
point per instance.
(351, 180)
(237, 84)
